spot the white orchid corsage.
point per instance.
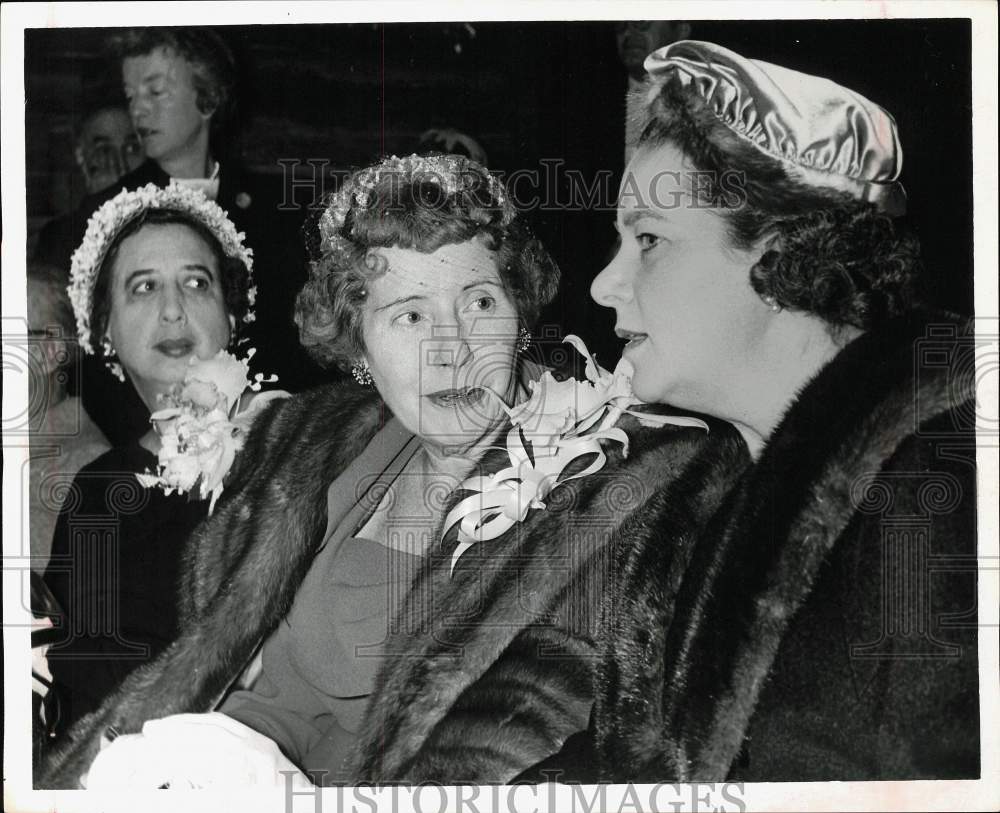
(201, 426)
(560, 422)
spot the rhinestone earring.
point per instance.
(771, 302)
(362, 374)
(114, 367)
(523, 340)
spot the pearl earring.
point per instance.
(771, 302)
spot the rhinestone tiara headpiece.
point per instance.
(452, 173)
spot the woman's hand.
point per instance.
(192, 751)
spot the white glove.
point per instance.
(192, 751)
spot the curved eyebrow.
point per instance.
(632, 215)
(400, 301)
(481, 282)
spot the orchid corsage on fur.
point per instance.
(201, 426)
(560, 422)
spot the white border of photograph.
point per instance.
(833, 796)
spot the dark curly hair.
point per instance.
(213, 70)
(415, 212)
(233, 274)
(829, 254)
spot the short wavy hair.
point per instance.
(414, 211)
(213, 68)
(830, 254)
(233, 274)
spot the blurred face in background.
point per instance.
(107, 148)
(49, 348)
(163, 104)
(637, 39)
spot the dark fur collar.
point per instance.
(761, 556)
(431, 664)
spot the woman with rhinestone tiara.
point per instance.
(394, 649)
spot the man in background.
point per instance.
(637, 39)
(106, 146)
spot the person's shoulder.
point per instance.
(339, 409)
(146, 173)
(54, 232)
(933, 402)
(259, 198)
(651, 444)
(57, 240)
(674, 463)
(241, 177)
(932, 472)
(119, 460)
(111, 472)
(89, 446)
(341, 396)
(245, 187)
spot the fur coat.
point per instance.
(492, 667)
(826, 625)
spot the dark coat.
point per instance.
(491, 669)
(115, 566)
(272, 231)
(826, 626)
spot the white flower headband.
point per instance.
(105, 224)
(453, 173)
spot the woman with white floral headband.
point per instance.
(426, 554)
(161, 280)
